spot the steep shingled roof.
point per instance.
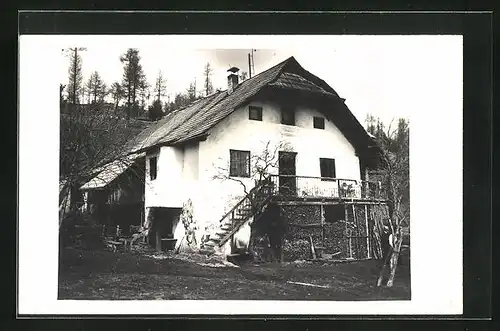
(110, 172)
(182, 125)
(294, 81)
(158, 131)
(198, 118)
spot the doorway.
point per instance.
(165, 221)
(287, 173)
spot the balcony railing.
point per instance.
(325, 187)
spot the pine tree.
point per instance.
(160, 86)
(191, 91)
(155, 111)
(133, 79)
(117, 94)
(207, 73)
(96, 88)
(75, 76)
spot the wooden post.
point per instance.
(350, 246)
(322, 215)
(338, 192)
(345, 221)
(312, 248)
(368, 250)
(355, 221)
(376, 233)
(158, 239)
(157, 229)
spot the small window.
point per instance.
(327, 167)
(287, 116)
(334, 213)
(239, 163)
(319, 122)
(153, 163)
(255, 113)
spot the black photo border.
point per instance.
(476, 28)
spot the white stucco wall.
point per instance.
(167, 190)
(189, 172)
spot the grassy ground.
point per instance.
(103, 275)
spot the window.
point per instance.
(239, 163)
(319, 122)
(255, 113)
(334, 213)
(153, 163)
(327, 167)
(287, 116)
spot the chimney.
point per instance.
(232, 79)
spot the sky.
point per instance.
(375, 74)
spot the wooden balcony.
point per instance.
(307, 187)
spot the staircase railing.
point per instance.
(251, 206)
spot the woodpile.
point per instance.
(356, 238)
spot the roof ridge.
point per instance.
(286, 74)
(263, 72)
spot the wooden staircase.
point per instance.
(252, 205)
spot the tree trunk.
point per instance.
(394, 259)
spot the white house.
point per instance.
(205, 154)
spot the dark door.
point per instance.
(288, 181)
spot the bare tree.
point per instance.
(243, 76)
(90, 140)
(117, 94)
(261, 165)
(394, 171)
(96, 88)
(160, 86)
(370, 121)
(144, 95)
(207, 73)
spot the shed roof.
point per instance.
(110, 172)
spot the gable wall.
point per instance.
(216, 196)
(238, 132)
(189, 172)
